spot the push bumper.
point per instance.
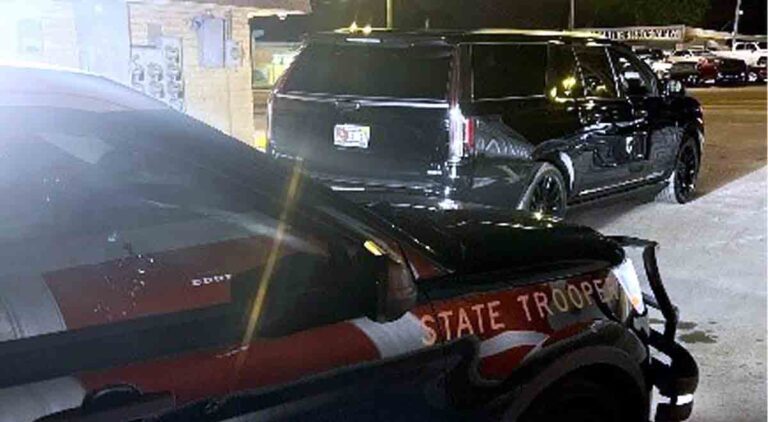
(675, 374)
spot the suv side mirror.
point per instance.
(673, 88)
(392, 291)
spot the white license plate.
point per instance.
(351, 136)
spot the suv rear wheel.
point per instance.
(547, 193)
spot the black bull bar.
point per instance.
(676, 380)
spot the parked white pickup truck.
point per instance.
(750, 52)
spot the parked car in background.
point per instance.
(708, 68)
(515, 119)
(154, 269)
(686, 72)
(685, 55)
(656, 59)
(758, 73)
(749, 52)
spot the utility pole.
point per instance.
(572, 15)
(736, 24)
(390, 14)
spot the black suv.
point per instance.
(518, 119)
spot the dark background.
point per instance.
(710, 14)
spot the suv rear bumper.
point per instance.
(675, 373)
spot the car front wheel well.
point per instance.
(609, 389)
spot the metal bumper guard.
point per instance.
(676, 380)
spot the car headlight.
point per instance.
(627, 276)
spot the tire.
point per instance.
(681, 184)
(576, 400)
(547, 194)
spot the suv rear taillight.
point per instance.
(462, 135)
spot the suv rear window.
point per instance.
(508, 70)
(368, 71)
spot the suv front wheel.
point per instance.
(681, 184)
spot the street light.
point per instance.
(572, 15)
(738, 13)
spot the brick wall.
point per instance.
(219, 97)
(58, 36)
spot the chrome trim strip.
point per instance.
(514, 97)
(347, 189)
(624, 183)
(366, 102)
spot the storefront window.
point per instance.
(270, 60)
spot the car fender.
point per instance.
(500, 181)
(615, 358)
(608, 345)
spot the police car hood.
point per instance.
(481, 240)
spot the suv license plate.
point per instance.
(351, 136)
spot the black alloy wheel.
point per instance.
(547, 195)
(686, 171)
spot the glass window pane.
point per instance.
(563, 79)
(108, 219)
(510, 70)
(407, 73)
(596, 72)
(270, 60)
(634, 78)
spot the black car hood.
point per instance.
(481, 240)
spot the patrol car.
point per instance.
(153, 268)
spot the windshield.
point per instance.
(371, 71)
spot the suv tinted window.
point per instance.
(563, 79)
(596, 72)
(508, 70)
(635, 79)
(363, 70)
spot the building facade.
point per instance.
(193, 55)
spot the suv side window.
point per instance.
(635, 79)
(508, 70)
(596, 72)
(563, 80)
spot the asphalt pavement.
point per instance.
(713, 254)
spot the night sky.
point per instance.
(515, 13)
(752, 22)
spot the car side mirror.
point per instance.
(674, 88)
(391, 288)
